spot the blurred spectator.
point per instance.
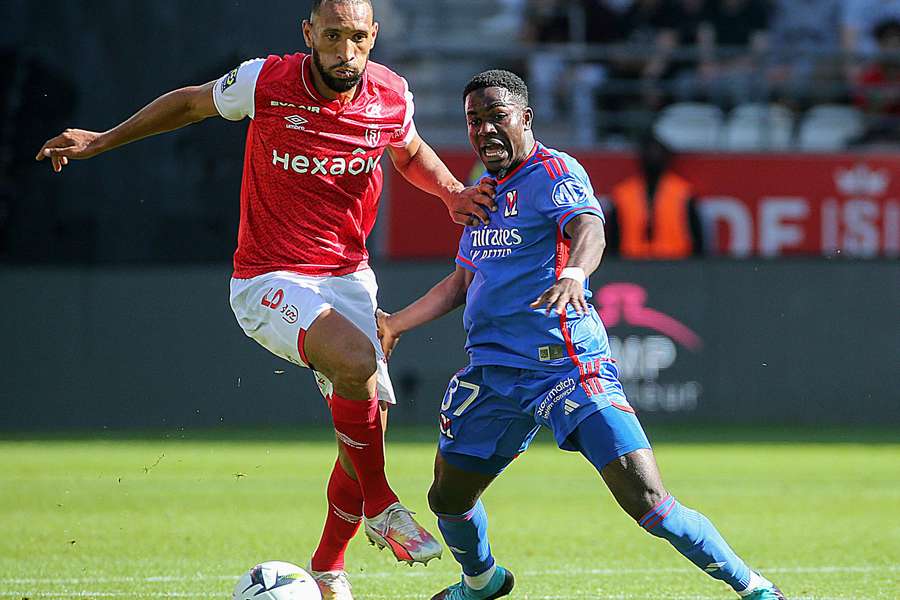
(859, 20)
(507, 21)
(682, 27)
(644, 36)
(878, 89)
(739, 40)
(604, 25)
(546, 22)
(805, 39)
(653, 214)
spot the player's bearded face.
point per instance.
(341, 36)
(341, 77)
(499, 128)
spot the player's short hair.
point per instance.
(317, 4)
(498, 78)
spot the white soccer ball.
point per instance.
(276, 580)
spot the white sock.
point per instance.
(756, 581)
(480, 581)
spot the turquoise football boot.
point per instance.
(500, 585)
(768, 593)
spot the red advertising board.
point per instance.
(751, 204)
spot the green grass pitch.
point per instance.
(156, 516)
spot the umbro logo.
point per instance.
(295, 122)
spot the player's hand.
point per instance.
(474, 204)
(386, 334)
(563, 292)
(76, 144)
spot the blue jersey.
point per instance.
(516, 257)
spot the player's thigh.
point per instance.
(353, 296)
(482, 426)
(339, 349)
(276, 310)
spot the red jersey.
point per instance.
(312, 174)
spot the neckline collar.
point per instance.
(509, 175)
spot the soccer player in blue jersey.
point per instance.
(539, 354)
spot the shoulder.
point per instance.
(279, 67)
(552, 169)
(386, 80)
(573, 167)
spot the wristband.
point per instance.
(576, 273)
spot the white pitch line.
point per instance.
(635, 571)
(66, 594)
(892, 568)
(407, 596)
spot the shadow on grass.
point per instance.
(659, 434)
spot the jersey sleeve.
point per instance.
(235, 92)
(405, 135)
(464, 257)
(567, 197)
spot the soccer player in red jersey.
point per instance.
(301, 287)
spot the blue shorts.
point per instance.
(490, 414)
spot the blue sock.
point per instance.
(466, 536)
(696, 538)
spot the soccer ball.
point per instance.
(275, 580)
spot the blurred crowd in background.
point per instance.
(744, 76)
(649, 54)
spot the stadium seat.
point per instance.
(830, 127)
(690, 126)
(757, 126)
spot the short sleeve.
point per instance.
(567, 197)
(464, 256)
(405, 135)
(235, 92)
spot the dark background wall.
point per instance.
(780, 342)
(169, 198)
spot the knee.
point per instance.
(645, 501)
(355, 368)
(435, 499)
(641, 501)
(442, 501)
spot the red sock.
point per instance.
(358, 425)
(345, 504)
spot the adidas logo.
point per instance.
(569, 407)
(711, 567)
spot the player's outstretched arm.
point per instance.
(168, 112)
(422, 167)
(588, 242)
(447, 295)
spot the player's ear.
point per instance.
(527, 117)
(374, 33)
(306, 28)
